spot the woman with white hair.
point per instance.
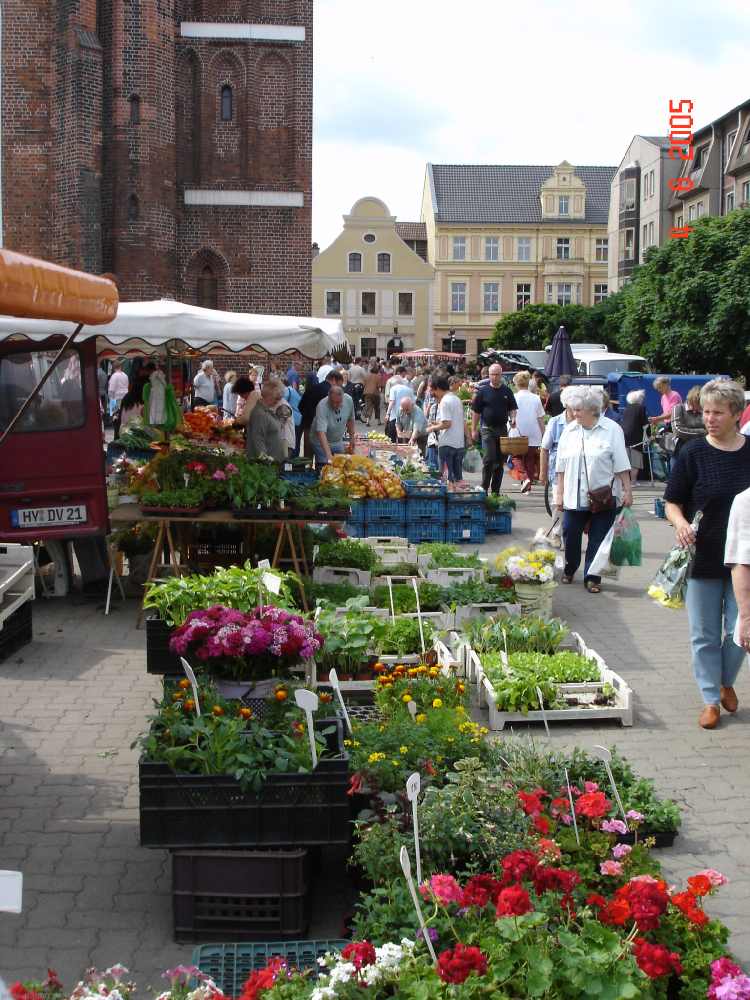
(634, 419)
(206, 385)
(593, 480)
(707, 476)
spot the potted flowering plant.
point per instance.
(533, 575)
(246, 651)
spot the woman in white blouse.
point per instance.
(529, 423)
(591, 455)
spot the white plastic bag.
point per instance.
(600, 565)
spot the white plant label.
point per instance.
(333, 680)
(419, 613)
(390, 595)
(308, 702)
(605, 756)
(264, 564)
(541, 709)
(572, 807)
(413, 787)
(193, 683)
(411, 707)
(272, 583)
(11, 892)
(406, 869)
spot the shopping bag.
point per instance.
(670, 583)
(601, 565)
(472, 461)
(626, 543)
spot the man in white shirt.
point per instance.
(324, 369)
(737, 555)
(450, 429)
(357, 374)
(395, 389)
(206, 385)
(118, 387)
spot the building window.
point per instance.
(746, 192)
(208, 289)
(730, 142)
(644, 241)
(524, 248)
(730, 201)
(602, 250)
(459, 248)
(384, 263)
(135, 110)
(368, 303)
(627, 239)
(454, 345)
(491, 248)
(523, 295)
(564, 293)
(651, 240)
(548, 292)
(133, 208)
(600, 292)
(355, 263)
(627, 195)
(691, 213)
(405, 304)
(368, 347)
(700, 209)
(700, 158)
(562, 204)
(369, 237)
(679, 222)
(745, 142)
(333, 303)
(563, 248)
(491, 297)
(227, 102)
(458, 296)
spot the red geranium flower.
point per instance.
(263, 979)
(480, 890)
(655, 960)
(647, 899)
(456, 965)
(593, 804)
(687, 903)
(541, 824)
(359, 953)
(513, 901)
(616, 913)
(699, 885)
(518, 865)
(531, 802)
(555, 880)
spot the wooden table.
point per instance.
(289, 537)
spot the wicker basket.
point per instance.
(514, 445)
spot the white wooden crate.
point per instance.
(342, 574)
(16, 578)
(382, 581)
(452, 574)
(497, 609)
(386, 541)
(441, 620)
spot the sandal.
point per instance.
(566, 578)
(593, 588)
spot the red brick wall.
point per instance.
(86, 186)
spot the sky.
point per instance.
(400, 83)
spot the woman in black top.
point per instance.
(634, 419)
(707, 476)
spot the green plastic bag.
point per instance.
(626, 543)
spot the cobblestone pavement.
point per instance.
(72, 702)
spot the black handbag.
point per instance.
(601, 498)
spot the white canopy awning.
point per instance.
(140, 325)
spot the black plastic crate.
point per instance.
(17, 630)
(159, 660)
(230, 965)
(213, 811)
(240, 895)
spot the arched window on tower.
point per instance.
(133, 208)
(208, 288)
(227, 101)
(135, 109)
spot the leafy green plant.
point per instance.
(402, 637)
(562, 668)
(256, 484)
(136, 541)
(500, 501)
(476, 592)
(396, 569)
(350, 640)
(516, 633)
(331, 594)
(431, 597)
(179, 499)
(448, 557)
(347, 553)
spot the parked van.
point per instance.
(601, 363)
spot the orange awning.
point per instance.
(36, 289)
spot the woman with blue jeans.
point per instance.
(707, 476)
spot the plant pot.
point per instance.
(138, 568)
(535, 598)
(239, 690)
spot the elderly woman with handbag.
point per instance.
(593, 480)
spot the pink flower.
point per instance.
(444, 888)
(219, 474)
(620, 851)
(591, 786)
(614, 826)
(230, 468)
(715, 878)
(610, 868)
(635, 816)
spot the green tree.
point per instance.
(535, 326)
(687, 308)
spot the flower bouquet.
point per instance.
(246, 646)
(670, 583)
(533, 574)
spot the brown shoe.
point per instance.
(709, 718)
(729, 699)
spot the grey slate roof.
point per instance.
(471, 193)
(412, 230)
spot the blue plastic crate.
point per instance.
(425, 531)
(499, 522)
(476, 512)
(356, 529)
(419, 508)
(466, 530)
(424, 487)
(390, 529)
(475, 497)
(385, 510)
(358, 511)
(229, 965)
(304, 476)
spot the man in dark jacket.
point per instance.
(310, 399)
(492, 405)
(554, 406)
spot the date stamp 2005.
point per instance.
(681, 147)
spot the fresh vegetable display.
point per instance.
(477, 592)
(444, 556)
(431, 597)
(516, 633)
(402, 637)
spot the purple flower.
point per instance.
(219, 474)
(620, 851)
(433, 934)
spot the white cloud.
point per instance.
(399, 83)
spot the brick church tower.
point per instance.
(166, 141)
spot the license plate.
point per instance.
(35, 517)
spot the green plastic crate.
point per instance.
(229, 965)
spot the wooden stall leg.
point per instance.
(158, 545)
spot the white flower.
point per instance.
(371, 974)
(323, 993)
(407, 945)
(341, 973)
(389, 955)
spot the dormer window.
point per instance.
(562, 204)
(700, 158)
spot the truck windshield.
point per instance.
(58, 407)
(603, 368)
